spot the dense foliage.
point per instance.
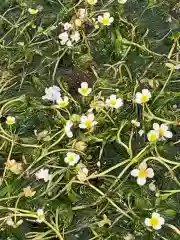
(89, 119)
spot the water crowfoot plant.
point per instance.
(89, 120)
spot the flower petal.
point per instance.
(112, 97)
(143, 165)
(156, 126)
(161, 220)
(94, 123)
(168, 134)
(100, 19)
(150, 172)
(164, 127)
(147, 222)
(155, 215)
(111, 19)
(146, 92)
(91, 116)
(141, 181)
(157, 227)
(135, 172)
(106, 15)
(82, 126)
(83, 119)
(84, 85)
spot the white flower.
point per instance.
(52, 94)
(64, 37)
(156, 221)
(152, 187)
(153, 136)
(69, 43)
(98, 164)
(162, 130)
(135, 123)
(84, 90)
(62, 103)
(71, 158)
(33, 11)
(67, 26)
(82, 13)
(105, 19)
(9, 221)
(143, 97)
(92, 2)
(28, 192)
(82, 172)
(40, 215)
(172, 66)
(43, 174)
(87, 122)
(122, 1)
(142, 173)
(67, 129)
(75, 37)
(129, 237)
(141, 132)
(114, 102)
(10, 120)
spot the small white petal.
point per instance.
(168, 134)
(82, 126)
(150, 173)
(152, 187)
(84, 85)
(155, 215)
(156, 126)
(147, 222)
(161, 220)
(135, 172)
(119, 102)
(83, 119)
(106, 15)
(141, 181)
(146, 92)
(164, 127)
(89, 91)
(141, 132)
(94, 123)
(111, 19)
(69, 123)
(113, 97)
(143, 165)
(100, 19)
(157, 227)
(91, 116)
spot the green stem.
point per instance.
(162, 90)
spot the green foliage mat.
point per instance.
(123, 58)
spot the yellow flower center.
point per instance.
(152, 137)
(144, 99)
(10, 121)
(63, 104)
(105, 21)
(33, 11)
(71, 158)
(84, 91)
(161, 132)
(113, 102)
(91, 1)
(154, 221)
(88, 123)
(143, 173)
